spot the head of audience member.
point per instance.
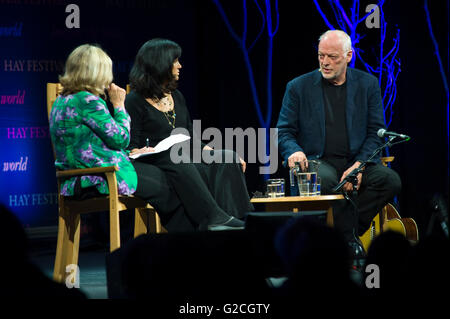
(156, 68)
(392, 253)
(335, 52)
(13, 240)
(21, 278)
(88, 68)
(430, 273)
(315, 255)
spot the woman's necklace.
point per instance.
(165, 105)
(171, 117)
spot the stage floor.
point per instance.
(92, 263)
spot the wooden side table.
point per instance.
(300, 203)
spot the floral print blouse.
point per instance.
(84, 134)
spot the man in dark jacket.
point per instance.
(333, 115)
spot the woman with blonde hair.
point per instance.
(85, 134)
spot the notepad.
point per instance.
(164, 145)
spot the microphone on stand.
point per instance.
(383, 133)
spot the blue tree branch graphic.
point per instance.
(442, 72)
(272, 28)
(388, 67)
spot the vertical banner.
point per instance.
(36, 36)
(27, 62)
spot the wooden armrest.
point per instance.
(86, 171)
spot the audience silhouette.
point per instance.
(20, 277)
(201, 267)
(392, 253)
(410, 272)
(221, 267)
(317, 261)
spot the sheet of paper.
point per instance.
(165, 144)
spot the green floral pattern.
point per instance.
(84, 134)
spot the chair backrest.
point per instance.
(386, 160)
(53, 90)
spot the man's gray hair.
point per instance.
(343, 37)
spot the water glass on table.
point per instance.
(307, 184)
(306, 174)
(275, 187)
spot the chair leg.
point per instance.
(68, 244)
(114, 228)
(158, 226)
(114, 222)
(141, 217)
(72, 246)
(330, 220)
(61, 253)
(154, 222)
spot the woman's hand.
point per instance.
(116, 95)
(243, 163)
(135, 151)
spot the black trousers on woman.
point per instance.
(226, 182)
(154, 187)
(195, 194)
(379, 185)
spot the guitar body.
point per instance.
(369, 235)
(395, 224)
(411, 230)
(390, 219)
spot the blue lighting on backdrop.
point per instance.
(266, 22)
(388, 62)
(272, 28)
(442, 72)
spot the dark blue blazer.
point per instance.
(301, 124)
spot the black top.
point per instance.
(149, 122)
(336, 139)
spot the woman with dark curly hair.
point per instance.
(212, 194)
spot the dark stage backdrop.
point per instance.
(214, 80)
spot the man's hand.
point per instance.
(297, 157)
(348, 187)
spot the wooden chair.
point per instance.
(69, 209)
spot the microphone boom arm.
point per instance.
(352, 176)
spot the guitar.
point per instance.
(390, 219)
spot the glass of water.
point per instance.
(307, 178)
(275, 187)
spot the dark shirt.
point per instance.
(336, 140)
(301, 123)
(148, 122)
